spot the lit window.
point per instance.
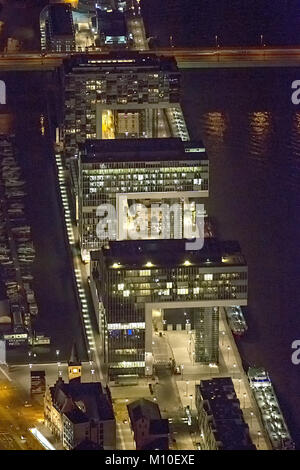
(120, 286)
(208, 277)
(182, 291)
(126, 293)
(145, 272)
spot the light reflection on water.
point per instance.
(253, 144)
(260, 134)
(215, 124)
(294, 155)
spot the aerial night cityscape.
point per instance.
(149, 228)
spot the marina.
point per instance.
(17, 253)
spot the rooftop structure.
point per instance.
(112, 28)
(57, 28)
(151, 432)
(220, 418)
(172, 253)
(77, 411)
(132, 150)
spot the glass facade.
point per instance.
(124, 294)
(129, 82)
(101, 183)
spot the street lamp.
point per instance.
(258, 438)
(182, 367)
(191, 398)
(217, 41)
(244, 395)
(240, 380)
(251, 418)
(261, 40)
(228, 349)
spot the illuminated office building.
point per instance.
(140, 171)
(120, 95)
(132, 282)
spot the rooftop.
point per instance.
(61, 19)
(130, 60)
(123, 150)
(112, 23)
(143, 409)
(146, 409)
(82, 401)
(74, 357)
(221, 402)
(135, 254)
(88, 445)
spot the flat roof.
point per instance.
(124, 150)
(61, 19)
(132, 60)
(136, 254)
(229, 426)
(112, 23)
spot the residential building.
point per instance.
(57, 28)
(151, 432)
(77, 411)
(220, 418)
(120, 95)
(132, 282)
(141, 172)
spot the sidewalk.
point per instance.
(230, 365)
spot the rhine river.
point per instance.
(252, 134)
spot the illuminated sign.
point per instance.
(38, 382)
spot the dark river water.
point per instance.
(252, 133)
(236, 22)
